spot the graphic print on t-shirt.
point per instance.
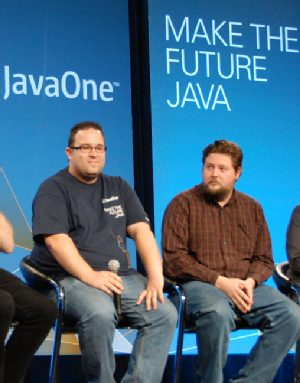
(116, 210)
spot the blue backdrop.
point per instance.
(225, 69)
(60, 63)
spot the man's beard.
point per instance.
(216, 195)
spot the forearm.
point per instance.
(261, 269)
(182, 265)
(149, 253)
(65, 252)
(148, 250)
(262, 262)
(6, 235)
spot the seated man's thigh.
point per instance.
(270, 304)
(264, 296)
(83, 302)
(28, 302)
(138, 314)
(204, 298)
(7, 309)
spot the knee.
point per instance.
(293, 312)
(50, 309)
(46, 310)
(171, 313)
(223, 313)
(219, 317)
(168, 314)
(100, 316)
(7, 306)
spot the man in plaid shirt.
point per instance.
(216, 242)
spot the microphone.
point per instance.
(114, 266)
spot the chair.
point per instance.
(14, 324)
(39, 281)
(289, 289)
(185, 327)
(63, 325)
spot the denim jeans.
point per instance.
(96, 315)
(213, 313)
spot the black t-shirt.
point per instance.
(95, 216)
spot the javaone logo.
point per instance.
(70, 86)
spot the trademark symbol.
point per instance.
(116, 83)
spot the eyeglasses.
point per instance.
(89, 148)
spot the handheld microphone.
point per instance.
(114, 266)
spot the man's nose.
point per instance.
(215, 172)
(93, 151)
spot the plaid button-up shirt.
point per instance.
(202, 240)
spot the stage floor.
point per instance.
(70, 371)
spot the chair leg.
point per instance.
(181, 325)
(297, 367)
(56, 346)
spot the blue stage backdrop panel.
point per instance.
(61, 63)
(227, 70)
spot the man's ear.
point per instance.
(238, 173)
(69, 153)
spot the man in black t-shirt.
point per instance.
(80, 222)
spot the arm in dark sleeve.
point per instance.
(262, 263)
(133, 208)
(293, 240)
(50, 213)
(178, 262)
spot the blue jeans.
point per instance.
(96, 315)
(213, 313)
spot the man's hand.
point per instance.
(241, 292)
(106, 281)
(6, 235)
(248, 287)
(66, 253)
(154, 288)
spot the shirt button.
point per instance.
(225, 243)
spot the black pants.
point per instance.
(36, 315)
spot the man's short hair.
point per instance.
(85, 125)
(225, 147)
